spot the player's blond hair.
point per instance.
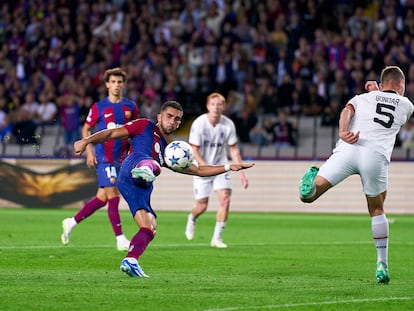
(214, 95)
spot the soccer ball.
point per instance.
(178, 155)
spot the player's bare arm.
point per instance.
(345, 119)
(212, 170)
(100, 137)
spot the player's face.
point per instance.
(115, 86)
(169, 120)
(215, 106)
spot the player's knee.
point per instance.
(201, 205)
(225, 201)
(154, 230)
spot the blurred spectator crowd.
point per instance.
(275, 61)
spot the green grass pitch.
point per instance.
(274, 262)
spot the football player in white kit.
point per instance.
(368, 127)
(211, 135)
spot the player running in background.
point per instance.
(368, 127)
(210, 136)
(140, 168)
(111, 112)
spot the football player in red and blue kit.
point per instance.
(139, 169)
(111, 112)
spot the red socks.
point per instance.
(140, 242)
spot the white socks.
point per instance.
(191, 217)
(380, 231)
(218, 229)
(121, 238)
(72, 222)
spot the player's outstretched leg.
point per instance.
(147, 170)
(307, 183)
(131, 267)
(382, 275)
(144, 173)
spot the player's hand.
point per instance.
(241, 166)
(91, 159)
(79, 146)
(244, 180)
(349, 137)
(371, 86)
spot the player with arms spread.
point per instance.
(140, 168)
(211, 135)
(368, 127)
(111, 112)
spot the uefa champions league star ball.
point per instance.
(178, 155)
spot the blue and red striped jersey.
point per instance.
(106, 115)
(146, 140)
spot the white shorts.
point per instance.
(203, 186)
(347, 160)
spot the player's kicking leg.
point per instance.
(146, 170)
(382, 275)
(307, 187)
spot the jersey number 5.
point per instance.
(382, 110)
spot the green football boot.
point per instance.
(382, 275)
(306, 187)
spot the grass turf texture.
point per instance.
(274, 262)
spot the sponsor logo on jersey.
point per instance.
(112, 125)
(210, 144)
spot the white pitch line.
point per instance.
(189, 244)
(304, 304)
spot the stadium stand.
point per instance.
(183, 50)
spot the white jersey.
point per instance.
(379, 117)
(213, 140)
